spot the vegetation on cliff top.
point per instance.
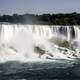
(51, 19)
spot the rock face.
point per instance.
(39, 41)
(39, 51)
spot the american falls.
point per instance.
(30, 42)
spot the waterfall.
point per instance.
(20, 41)
(8, 31)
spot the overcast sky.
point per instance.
(38, 6)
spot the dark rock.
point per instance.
(39, 50)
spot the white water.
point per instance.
(17, 42)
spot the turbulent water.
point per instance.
(22, 42)
(38, 49)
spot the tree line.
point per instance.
(46, 19)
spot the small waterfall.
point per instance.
(22, 39)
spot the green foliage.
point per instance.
(51, 19)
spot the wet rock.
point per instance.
(39, 51)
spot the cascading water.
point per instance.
(22, 42)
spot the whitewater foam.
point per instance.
(17, 42)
